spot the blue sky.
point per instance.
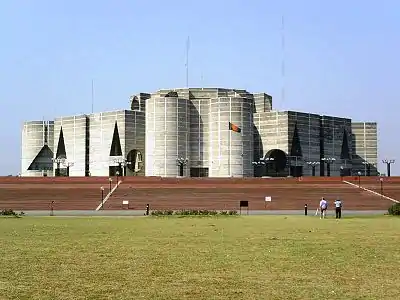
(341, 57)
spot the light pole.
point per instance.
(388, 162)
(359, 178)
(181, 162)
(341, 172)
(117, 173)
(102, 197)
(381, 182)
(313, 164)
(110, 180)
(328, 161)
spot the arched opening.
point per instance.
(278, 160)
(134, 161)
(135, 104)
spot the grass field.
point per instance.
(252, 257)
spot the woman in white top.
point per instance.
(323, 206)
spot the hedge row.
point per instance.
(193, 212)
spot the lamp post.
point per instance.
(181, 162)
(313, 164)
(110, 180)
(117, 173)
(102, 197)
(328, 161)
(341, 173)
(388, 162)
(381, 182)
(359, 178)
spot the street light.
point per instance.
(381, 181)
(313, 164)
(102, 197)
(341, 172)
(180, 162)
(117, 173)
(110, 180)
(359, 178)
(328, 161)
(388, 162)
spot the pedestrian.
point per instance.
(338, 208)
(323, 206)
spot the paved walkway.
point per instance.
(110, 213)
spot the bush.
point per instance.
(10, 212)
(394, 210)
(193, 212)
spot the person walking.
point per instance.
(338, 208)
(323, 206)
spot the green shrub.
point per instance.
(192, 212)
(394, 210)
(10, 212)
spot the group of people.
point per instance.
(323, 206)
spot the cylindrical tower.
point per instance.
(231, 146)
(37, 148)
(167, 135)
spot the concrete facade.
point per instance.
(204, 132)
(37, 148)
(365, 148)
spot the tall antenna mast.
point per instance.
(92, 95)
(187, 61)
(283, 59)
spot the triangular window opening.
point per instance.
(296, 147)
(116, 149)
(345, 153)
(61, 153)
(43, 160)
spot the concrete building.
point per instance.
(37, 148)
(203, 132)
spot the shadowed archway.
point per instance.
(279, 159)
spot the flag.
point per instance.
(234, 128)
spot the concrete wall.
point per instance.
(167, 134)
(365, 147)
(135, 137)
(33, 139)
(309, 136)
(199, 133)
(231, 153)
(333, 129)
(74, 131)
(101, 134)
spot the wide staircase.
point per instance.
(73, 193)
(388, 186)
(226, 194)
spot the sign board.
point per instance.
(244, 203)
(268, 199)
(125, 202)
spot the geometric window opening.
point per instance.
(116, 149)
(61, 153)
(42, 161)
(345, 152)
(296, 147)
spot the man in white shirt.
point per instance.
(323, 206)
(338, 208)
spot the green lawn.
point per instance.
(252, 257)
